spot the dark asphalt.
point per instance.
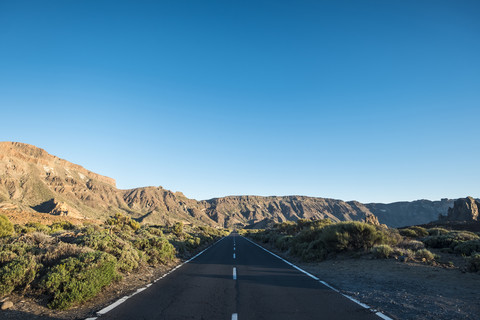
(266, 288)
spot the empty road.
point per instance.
(236, 279)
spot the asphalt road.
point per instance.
(235, 279)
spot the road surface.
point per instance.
(236, 279)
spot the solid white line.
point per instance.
(234, 273)
(379, 314)
(122, 300)
(235, 316)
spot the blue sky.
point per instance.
(376, 101)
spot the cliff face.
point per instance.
(32, 180)
(464, 209)
(249, 210)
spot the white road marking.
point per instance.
(234, 256)
(233, 248)
(379, 314)
(235, 316)
(122, 300)
(234, 273)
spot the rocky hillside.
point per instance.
(31, 180)
(250, 210)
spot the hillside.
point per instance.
(32, 180)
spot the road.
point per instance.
(236, 279)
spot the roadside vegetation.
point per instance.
(71, 264)
(313, 241)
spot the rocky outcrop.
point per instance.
(464, 209)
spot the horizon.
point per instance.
(359, 101)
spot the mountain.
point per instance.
(32, 180)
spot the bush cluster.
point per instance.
(71, 264)
(462, 242)
(316, 240)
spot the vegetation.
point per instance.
(318, 240)
(71, 264)
(322, 239)
(6, 227)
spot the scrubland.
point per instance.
(66, 265)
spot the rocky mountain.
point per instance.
(464, 209)
(32, 180)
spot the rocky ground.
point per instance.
(405, 290)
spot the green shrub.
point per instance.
(123, 223)
(412, 244)
(128, 257)
(36, 227)
(473, 264)
(449, 240)
(178, 229)
(61, 226)
(6, 227)
(425, 255)
(468, 247)
(382, 251)
(157, 249)
(414, 232)
(77, 279)
(353, 235)
(17, 273)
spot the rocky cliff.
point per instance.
(33, 180)
(464, 209)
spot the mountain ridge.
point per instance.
(30, 177)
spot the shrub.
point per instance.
(157, 249)
(468, 247)
(473, 264)
(128, 257)
(437, 231)
(6, 227)
(414, 232)
(178, 229)
(36, 227)
(449, 240)
(353, 235)
(412, 244)
(61, 226)
(424, 255)
(77, 279)
(382, 251)
(17, 273)
(123, 223)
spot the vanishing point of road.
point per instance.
(238, 280)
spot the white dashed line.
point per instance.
(235, 316)
(234, 273)
(379, 314)
(234, 256)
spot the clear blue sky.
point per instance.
(376, 101)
